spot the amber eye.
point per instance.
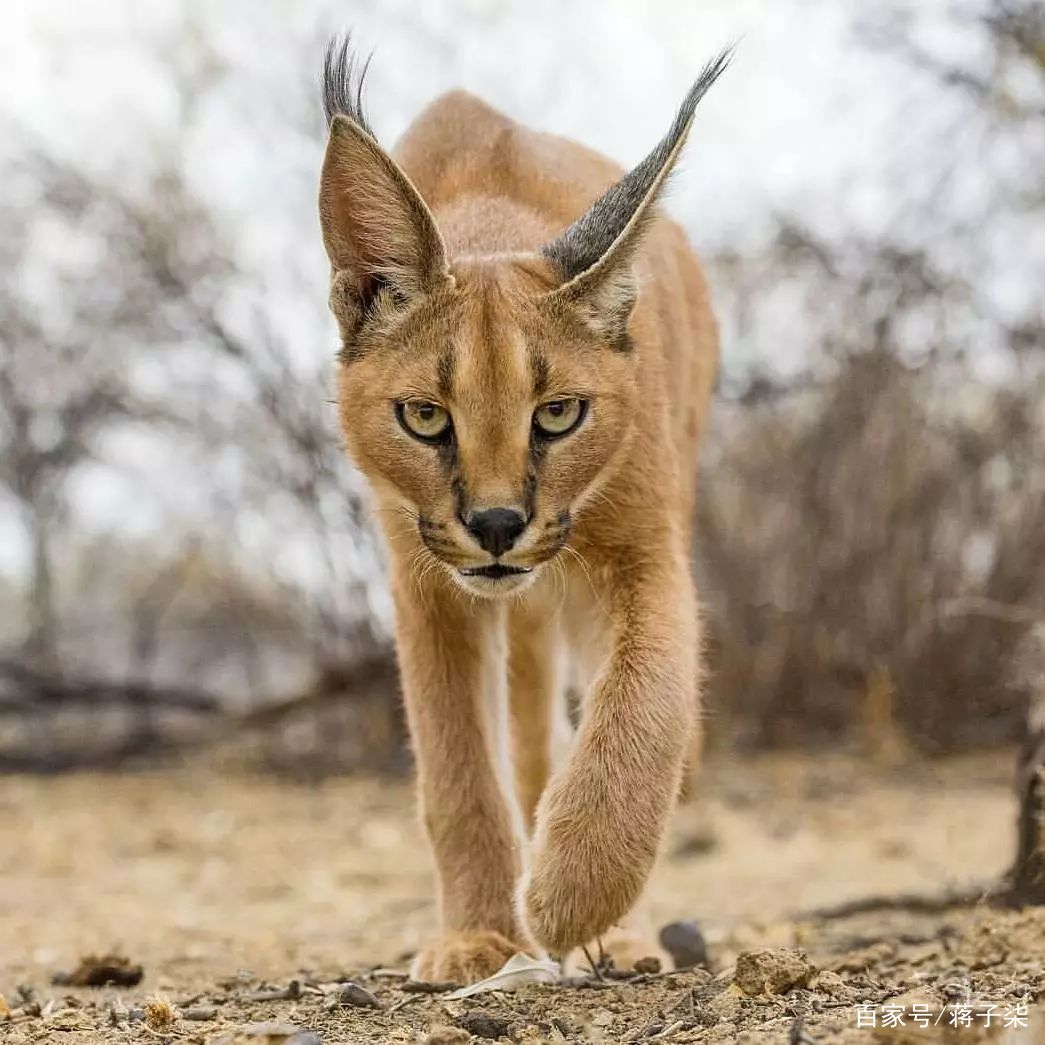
(560, 416)
(426, 421)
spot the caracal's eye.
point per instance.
(423, 420)
(560, 416)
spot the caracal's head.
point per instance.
(485, 398)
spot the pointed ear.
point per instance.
(594, 255)
(378, 232)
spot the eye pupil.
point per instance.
(424, 420)
(559, 417)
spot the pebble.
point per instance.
(773, 970)
(443, 1035)
(359, 997)
(685, 943)
(282, 1034)
(483, 1024)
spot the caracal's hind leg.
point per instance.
(694, 762)
(536, 681)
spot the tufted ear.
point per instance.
(594, 255)
(378, 232)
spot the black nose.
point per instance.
(496, 529)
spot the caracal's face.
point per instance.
(484, 417)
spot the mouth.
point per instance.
(495, 571)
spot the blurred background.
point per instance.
(184, 552)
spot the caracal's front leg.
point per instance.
(601, 819)
(452, 659)
(536, 682)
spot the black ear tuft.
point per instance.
(380, 237)
(343, 79)
(627, 206)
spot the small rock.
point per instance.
(602, 1017)
(650, 966)
(833, 984)
(723, 1006)
(118, 1012)
(685, 943)
(443, 1035)
(271, 1033)
(67, 1020)
(564, 1027)
(483, 1024)
(359, 997)
(199, 1013)
(773, 971)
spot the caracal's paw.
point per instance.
(572, 896)
(628, 944)
(463, 957)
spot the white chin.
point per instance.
(495, 587)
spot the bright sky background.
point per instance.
(806, 122)
(802, 113)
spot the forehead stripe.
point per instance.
(539, 365)
(445, 373)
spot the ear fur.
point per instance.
(378, 232)
(594, 255)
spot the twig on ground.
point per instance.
(920, 903)
(427, 987)
(291, 992)
(404, 1002)
(592, 964)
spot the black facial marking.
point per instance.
(555, 534)
(458, 492)
(540, 372)
(530, 493)
(445, 373)
(432, 537)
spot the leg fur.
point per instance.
(452, 655)
(536, 682)
(601, 819)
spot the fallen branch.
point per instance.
(916, 902)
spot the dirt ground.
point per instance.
(249, 901)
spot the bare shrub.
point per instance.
(872, 537)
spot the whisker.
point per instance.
(603, 497)
(561, 580)
(584, 564)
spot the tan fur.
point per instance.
(527, 852)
